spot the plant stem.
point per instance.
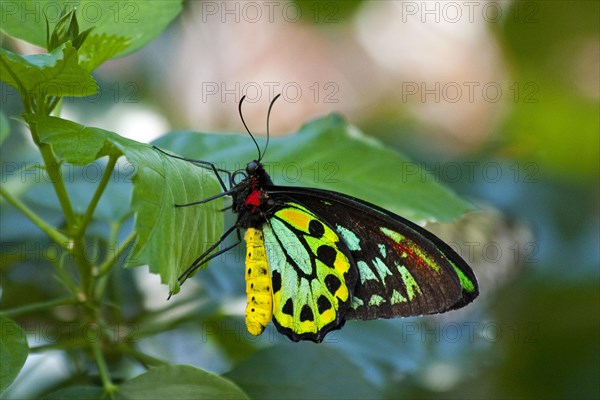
(109, 387)
(60, 239)
(74, 344)
(53, 169)
(29, 308)
(52, 165)
(110, 260)
(143, 358)
(112, 160)
(85, 269)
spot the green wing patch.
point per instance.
(312, 272)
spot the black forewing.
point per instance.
(404, 270)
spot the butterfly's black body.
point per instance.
(250, 200)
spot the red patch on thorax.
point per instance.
(253, 199)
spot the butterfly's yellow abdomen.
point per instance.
(258, 283)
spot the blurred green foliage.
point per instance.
(560, 128)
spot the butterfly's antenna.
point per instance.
(268, 118)
(246, 126)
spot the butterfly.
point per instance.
(317, 258)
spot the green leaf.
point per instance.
(78, 393)
(73, 142)
(138, 21)
(304, 370)
(328, 153)
(13, 351)
(169, 238)
(180, 382)
(4, 127)
(53, 74)
(99, 48)
(168, 382)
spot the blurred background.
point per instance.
(498, 100)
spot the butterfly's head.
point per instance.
(252, 167)
(257, 172)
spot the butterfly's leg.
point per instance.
(204, 257)
(211, 198)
